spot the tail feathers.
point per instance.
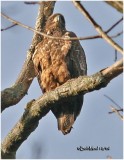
(65, 123)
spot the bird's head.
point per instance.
(55, 22)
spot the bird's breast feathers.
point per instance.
(50, 57)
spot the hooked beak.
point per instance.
(57, 19)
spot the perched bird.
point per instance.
(57, 61)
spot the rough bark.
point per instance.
(36, 109)
(12, 95)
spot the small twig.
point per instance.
(115, 55)
(96, 26)
(117, 112)
(118, 5)
(116, 35)
(112, 101)
(33, 2)
(3, 29)
(52, 37)
(114, 25)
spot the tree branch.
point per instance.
(116, 35)
(36, 109)
(118, 110)
(114, 110)
(31, 2)
(71, 38)
(20, 88)
(11, 96)
(13, 25)
(114, 25)
(118, 5)
(112, 101)
(97, 27)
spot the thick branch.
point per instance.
(36, 109)
(97, 27)
(116, 4)
(114, 70)
(12, 95)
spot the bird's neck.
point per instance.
(57, 32)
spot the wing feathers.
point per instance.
(55, 62)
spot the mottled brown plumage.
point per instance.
(55, 62)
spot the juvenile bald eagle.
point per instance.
(57, 61)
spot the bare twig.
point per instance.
(112, 101)
(115, 55)
(116, 4)
(114, 25)
(3, 29)
(31, 2)
(116, 35)
(97, 27)
(72, 38)
(36, 109)
(117, 112)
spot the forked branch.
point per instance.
(97, 27)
